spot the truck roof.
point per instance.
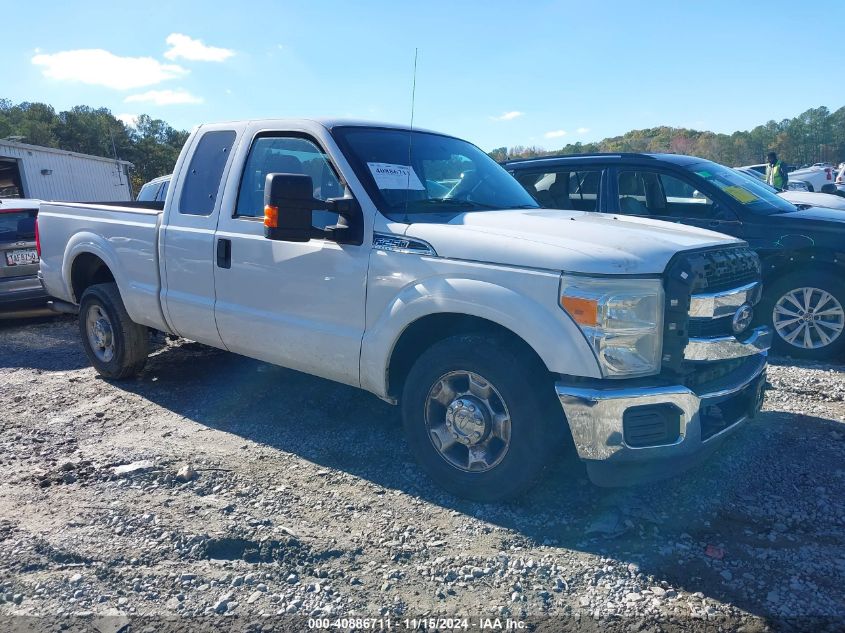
(330, 123)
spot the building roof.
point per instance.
(52, 150)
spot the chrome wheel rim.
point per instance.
(808, 318)
(467, 421)
(100, 333)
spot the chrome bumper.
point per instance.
(728, 347)
(595, 416)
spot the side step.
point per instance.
(63, 307)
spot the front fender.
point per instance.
(549, 331)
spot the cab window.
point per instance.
(287, 155)
(564, 189)
(660, 195)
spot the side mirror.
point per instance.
(288, 205)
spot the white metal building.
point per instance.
(30, 171)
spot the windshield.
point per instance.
(754, 195)
(425, 177)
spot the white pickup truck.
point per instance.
(409, 264)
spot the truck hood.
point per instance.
(576, 241)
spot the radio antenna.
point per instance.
(411, 131)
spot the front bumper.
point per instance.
(596, 417)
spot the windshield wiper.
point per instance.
(453, 202)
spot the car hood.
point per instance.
(826, 200)
(593, 243)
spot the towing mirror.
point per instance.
(288, 205)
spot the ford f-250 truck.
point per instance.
(409, 264)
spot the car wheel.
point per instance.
(480, 418)
(116, 346)
(807, 313)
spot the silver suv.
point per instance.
(20, 288)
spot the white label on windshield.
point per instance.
(388, 176)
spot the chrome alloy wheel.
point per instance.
(100, 335)
(467, 421)
(809, 318)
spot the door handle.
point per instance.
(224, 253)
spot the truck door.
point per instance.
(188, 238)
(299, 305)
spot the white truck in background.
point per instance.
(411, 265)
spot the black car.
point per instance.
(802, 248)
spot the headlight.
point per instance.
(622, 318)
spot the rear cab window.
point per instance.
(205, 172)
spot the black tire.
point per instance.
(777, 290)
(130, 340)
(537, 425)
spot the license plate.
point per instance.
(21, 257)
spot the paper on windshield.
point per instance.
(740, 193)
(390, 176)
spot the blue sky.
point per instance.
(497, 73)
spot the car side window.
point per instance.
(205, 173)
(564, 189)
(148, 192)
(287, 155)
(660, 195)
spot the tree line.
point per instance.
(813, 136)
(151, 145)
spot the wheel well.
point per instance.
(775, 268)
(423, 333)
(87, 270)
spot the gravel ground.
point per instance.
(217, 491)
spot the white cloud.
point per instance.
(164, 97)
(582, 130)
(194, 50)
(130, 120)
(555, 134)
(99, 67)
(508, 116)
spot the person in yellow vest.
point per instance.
(776, 174)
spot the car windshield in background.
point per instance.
(425, 177)
(757, 197)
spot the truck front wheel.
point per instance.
(480, 417)
(116, 346)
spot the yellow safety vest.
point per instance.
(774, 175)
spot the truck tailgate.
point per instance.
(124, 238)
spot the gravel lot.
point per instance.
(219, 491)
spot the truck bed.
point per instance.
(123, 235)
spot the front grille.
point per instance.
(701, 272)
(724, 269)
(710, 328)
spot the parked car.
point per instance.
(801, 248)
(797, 197)
(20, 288)
(817, 178)
(155, 190)
(840, 175)
(318, 246)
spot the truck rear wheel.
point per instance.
(116, 346)
(480, 417)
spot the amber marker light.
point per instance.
(583, 311)
(271, 217)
